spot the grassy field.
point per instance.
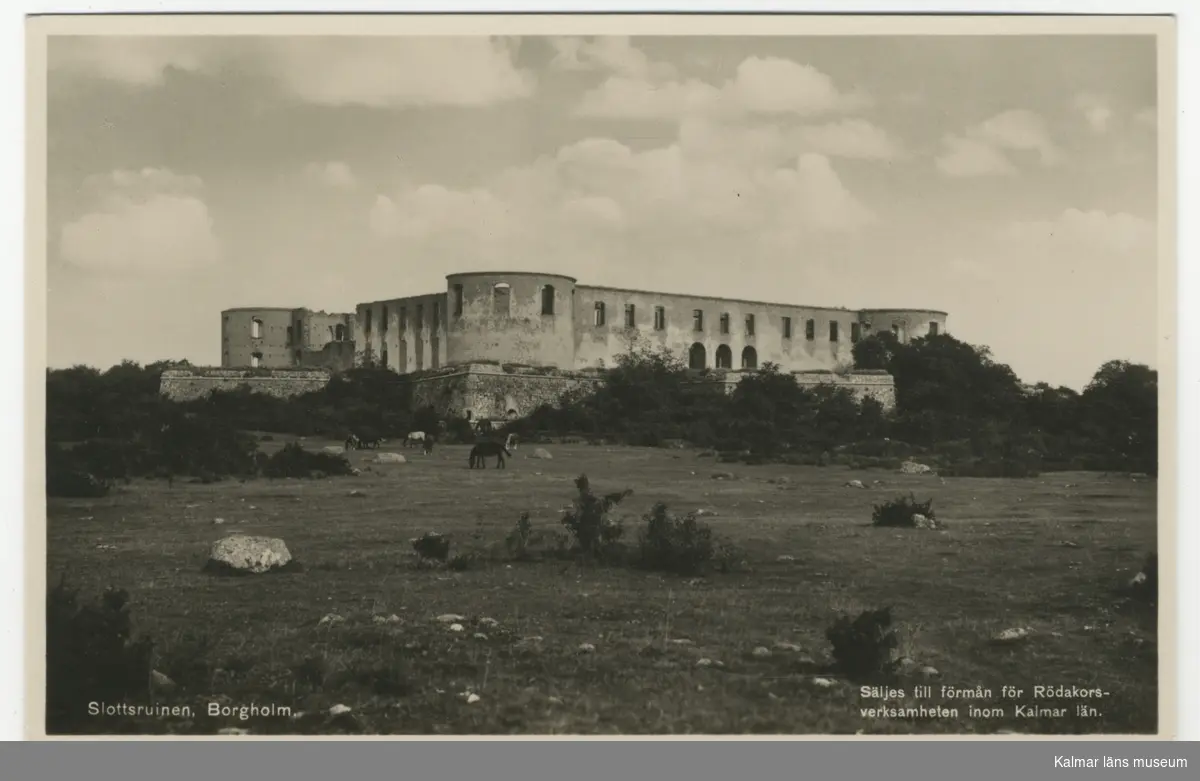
(1045, 553)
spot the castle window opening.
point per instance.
(367, 321)
(833, 330)
(810, 329)
(724, 322)
(458, 300)
(256, 327)
(724, 357)
(403, 318)
(749, 358)
(383, 357)
(697, 357)
(501, 293)
(697, 319)
(933, 329)
(437, 315)
(749, 325)
(660, 318)
(787, 328)
(420, 316)
(339, 332)
(855, 332)
(548, 299)
(630, 316)
(898, 331)
(299, 357)
(598, 316)
(290, 334)
(384, 326)
(255, 360)
(512, 414)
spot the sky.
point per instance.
(1009, 180)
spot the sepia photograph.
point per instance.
(584, 376)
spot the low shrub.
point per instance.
(431, 546)
(294, 461)
(903, 511)
(864, 647)
(91, 655)
(683, 545)
(518, 539)
(588, 520)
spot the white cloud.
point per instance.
(856, 138)
(139, 61)
(393, 72)
(142, 221)
(367, 71)
(1098, 230)
(1095, 110)
(331, 174)
(610, 53)
(963, 157)
(761, 85)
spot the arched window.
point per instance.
(548, 300)
(383, 357)
(724, 357)
(512, 414)
(501, 294)
(256, 328)
(255, 360)
(697, 358)
(749, 358)
(339, 333)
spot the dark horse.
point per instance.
(488, 448)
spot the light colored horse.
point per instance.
(414, 438)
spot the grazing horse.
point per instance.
(413, 438)
(353, 442)
(488, 448)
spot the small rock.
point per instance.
(489, 622)
(218, 521)
(930, 672)
(479, 636)
(703, 512)
(1012, 635)
(906, 664)
(541, 453)
(339, 710)
(682, 641)
(554, 700)
(456, 627)
(761, 651)
(390, 458)
(161, 681)
(855, 484)
(1069, 544)
(824, 683)
(472, 698)
(785, 557)
(233, 731)
(782, 646)
(330, 620)
(705, 662)
(392, 619)
(356, 492)
(722, 476)
(450, 618)
(586, 648)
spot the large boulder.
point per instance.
(243, 554)
(333, 450)
(913, 468)
(541, 452)
(390, 458)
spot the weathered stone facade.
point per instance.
(495, 392)
(876, 385)
(189, 384)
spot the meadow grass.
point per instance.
(1047, 553)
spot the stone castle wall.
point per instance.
(189, 384)
(876, 385)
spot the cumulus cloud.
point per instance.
(855, 138)
(980, 151)
(371, 71)
(610, 53)
(331, 174)
(141, 221)
(968, 157)
(761, 85)
(590, 201)
(398, 72)
(1095, 110)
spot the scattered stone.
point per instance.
(782, 646)
(392, 619)
(586, 648)
(554, 700)
(103, 546)
(855, 484)
(330, 620)
(390, 458)
(761, 651)
(246, 554)
(233, 731)
(339, 710)
(922, 522)
(703, 512)
(456, 627)
(1069, 544)
(913, 468)
(682, 641)
(479, 636)
(930, 672)
(356, 493)
(705, 662)
(161, 681)
(541, 453)
(906, 664)
(785, 557)
(472, 698)
(218, 521)
(824, 683)
(489, 622)
(722, 476)
(451, 618)
(334, 450)
(1012, 635)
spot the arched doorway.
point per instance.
(724, 357)
(697, 358)
(749, 358)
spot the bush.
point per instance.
(432, 547)
(903, 511)
(91, 655)
(588, 520)
(682, 545)
(517, 540)
(863, 648)
(1144, 586)
(294, 461)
